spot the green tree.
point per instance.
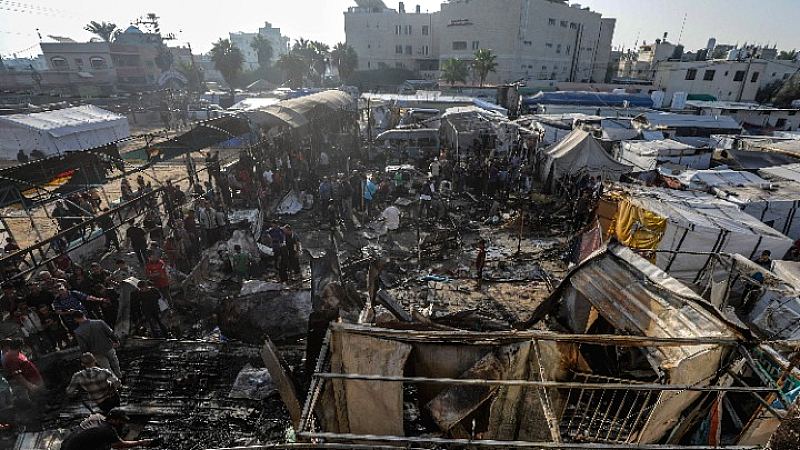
(294, 66)
(787, 56)
(345, 58)
(102, 29)
(484, 63)
(228, 59)
(194, 73)
(263, 49)
(768, 91)
(788, 92)
(315, 54)
(455, 70)
(164, 59)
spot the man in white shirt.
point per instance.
(392, 217)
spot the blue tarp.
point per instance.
(578, 98)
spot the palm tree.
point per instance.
(228, 59)
(484, 63)
(103, 29)
(294, 66)
(315, 54)
(455, 70)
(263, 49)
(345, 58)
(791, 55)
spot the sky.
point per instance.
(729, 21)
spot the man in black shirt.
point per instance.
(138, 238)
(98, 433)
(145, 308)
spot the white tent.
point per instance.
(671, 221)
(647, 155)
(788, 172)
(64, 130)
(777, 206)
(706, 180)
(577, 154)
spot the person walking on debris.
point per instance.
(582, 210)
(107, 224)
(101, 384)
(293, 249)
(67, 301)
(480, 261)
(96, 337)
(370, 189)
(156, 272)
(392, 217)
(208, 222)
(241, 263)
(145, 309)
(278, 240)
(138, 239)
(99, 432)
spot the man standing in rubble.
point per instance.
(278, 242)
(101, 384)
(100, 432)
(582, 210)
(96, 337)
(480, 261)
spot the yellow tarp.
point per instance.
(638, 228)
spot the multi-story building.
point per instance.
(541, 39)
(389, 38)
(642, 65)
(242, 41)
(87, 66)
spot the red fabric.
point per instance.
(157, 273)
(480, 261)
(13, 364)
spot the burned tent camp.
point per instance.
(631, 353)
(578, 154)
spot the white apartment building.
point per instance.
(540, 39)
(242, 41)
(729, 81)
(389, 38)
(535, 39)
(642, 65)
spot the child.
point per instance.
(241, 263)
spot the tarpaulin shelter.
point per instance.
(776, 206)
(647, 155)
(786, 172)
(60, 131)
(706, 180)
(578, 154)
(582, 98)
(669, 222)
(295, 113)
(688, 125)
(205, 134)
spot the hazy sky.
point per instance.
(730, 21)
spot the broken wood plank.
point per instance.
(279, 371)
(455, 403)
(383, 298)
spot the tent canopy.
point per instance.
(708, 179)
(295, 112)
(580, 153)
(580, 98)
(55, 132)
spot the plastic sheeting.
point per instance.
(647, 155)
(776, 207)
(694, 222)
(581, 98)
(64, 130)
(705, 180)
(580, 153)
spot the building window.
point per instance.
(459, 45)
(97, 63)
(754, 78)
(399, 65)
(424, 50)
(476, 45)
(397, 29)
(369, 65)
(709, 75)
(573, 25)
(425, 30)
(569, 47)
(398, 49)
(551, 22)
(558, 48)
(691, 74)
(564, 24)
(409, 50)
(407, 29)
(739, 75)
(548, 44)
(59, 63)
